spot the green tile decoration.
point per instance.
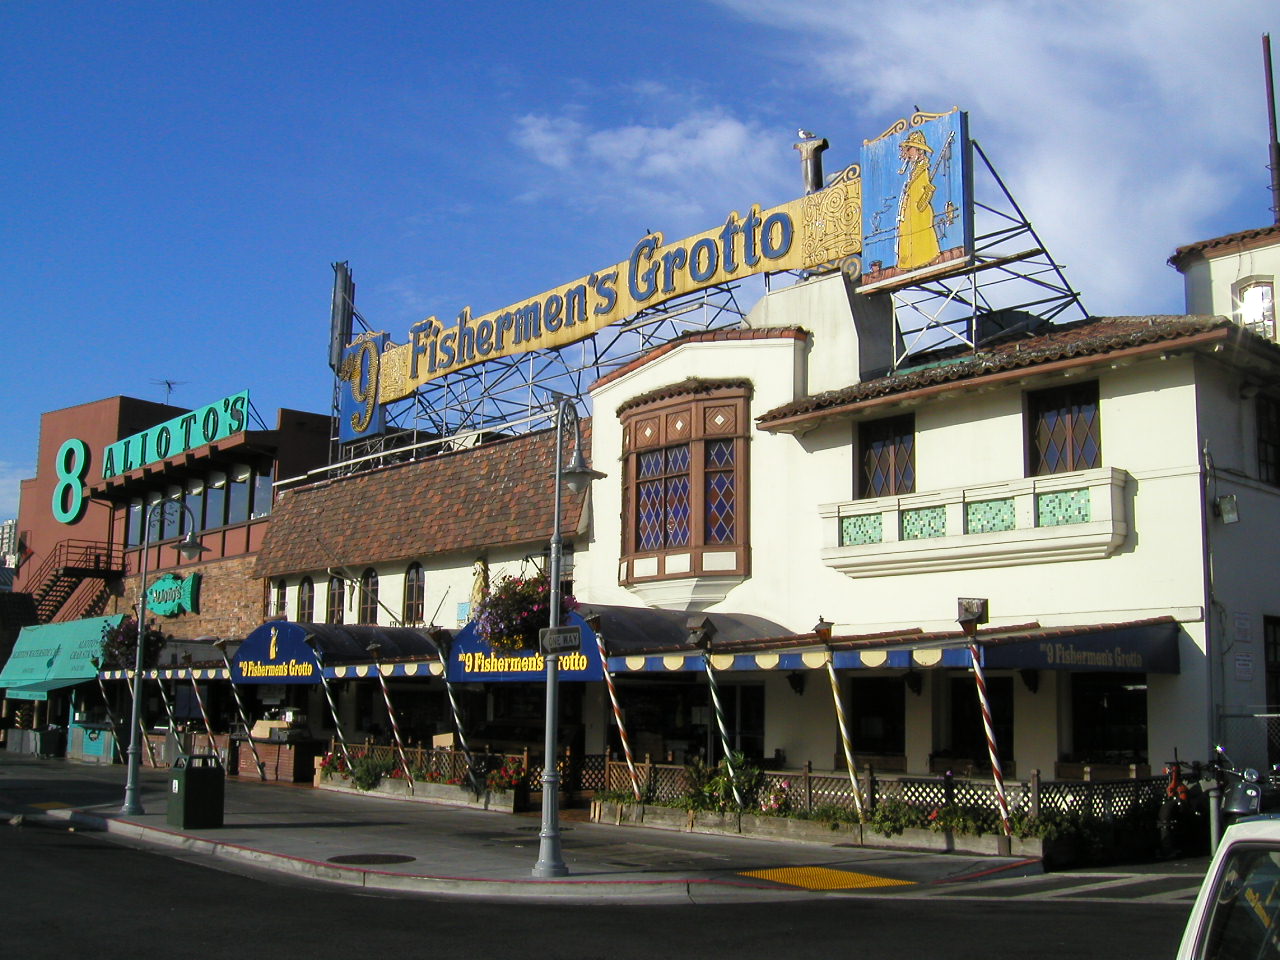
(864, 528)
(1062, 507)
(989, 516)
(924, 522)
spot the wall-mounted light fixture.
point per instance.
(1226, 509)
(795, 680)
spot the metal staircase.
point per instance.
(70, 564)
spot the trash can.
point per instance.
(196, 788)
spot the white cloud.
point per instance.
(673, 174)
(1124, 129)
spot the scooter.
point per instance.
(1244, 792)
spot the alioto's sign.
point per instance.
(208, 424)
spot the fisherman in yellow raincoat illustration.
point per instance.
(917, 237)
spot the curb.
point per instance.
(682, 889)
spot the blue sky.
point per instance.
(177, 177)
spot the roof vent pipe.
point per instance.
(811, 148)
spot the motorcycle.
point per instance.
(1183, 822)
(1185, 819)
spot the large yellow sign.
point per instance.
(820, 229)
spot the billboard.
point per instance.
(917, 188)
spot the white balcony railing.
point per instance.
(1066, 516)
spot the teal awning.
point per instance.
(54, 655)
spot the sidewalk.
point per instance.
(394, 845)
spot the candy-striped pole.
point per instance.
(617, 716)
(111, 719)
(844, 735)
(337, 724)
(244, 720)
(724, 729)
(395, 726)
(208, 727)
(997, 774)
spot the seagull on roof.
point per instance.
(804, 134)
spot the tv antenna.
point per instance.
(168, 386)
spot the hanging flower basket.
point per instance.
(516, 608)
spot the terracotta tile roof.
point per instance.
(705, 336)
(1242, 238)
(494, 495)
(690, 386)
(1072, 344)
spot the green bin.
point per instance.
(196, 787)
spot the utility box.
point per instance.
(197, 786)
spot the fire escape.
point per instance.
(71, 564)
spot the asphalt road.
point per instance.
(68, 893)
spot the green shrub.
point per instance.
(367, 771)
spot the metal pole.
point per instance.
(337, 723)
(724, 729)
(844, 735)
(244, 719)
(391, 716)
(617, 716)
(111, 718)
(550, 860)
(1274, 144)
(204, 714)
(997, 774)
(132, 805)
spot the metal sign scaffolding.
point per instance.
(1010, 283)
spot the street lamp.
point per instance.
(578, 476)
(190, 548)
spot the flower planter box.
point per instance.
(505, 801)
(812, 831)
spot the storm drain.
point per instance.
(823, 878)
(370, 859)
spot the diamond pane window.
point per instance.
(887, 451)
(1064, 430)
(719, 491)
(663, 495)
(684, 476)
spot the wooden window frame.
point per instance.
(1056, 398)
(415, 594)
(306, 612)
(335, 601)
(718, 413)
(903, 425)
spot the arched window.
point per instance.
(333, 611)
(415, 593)
(369, 596)
(280, 604)
(306, 612)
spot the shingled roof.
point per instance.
(497, 494)
(1231, 243)
(1052, 345)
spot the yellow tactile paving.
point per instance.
(824, 878)
(51, 805)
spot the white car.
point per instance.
(1237, 912)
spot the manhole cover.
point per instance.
(369, 859)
